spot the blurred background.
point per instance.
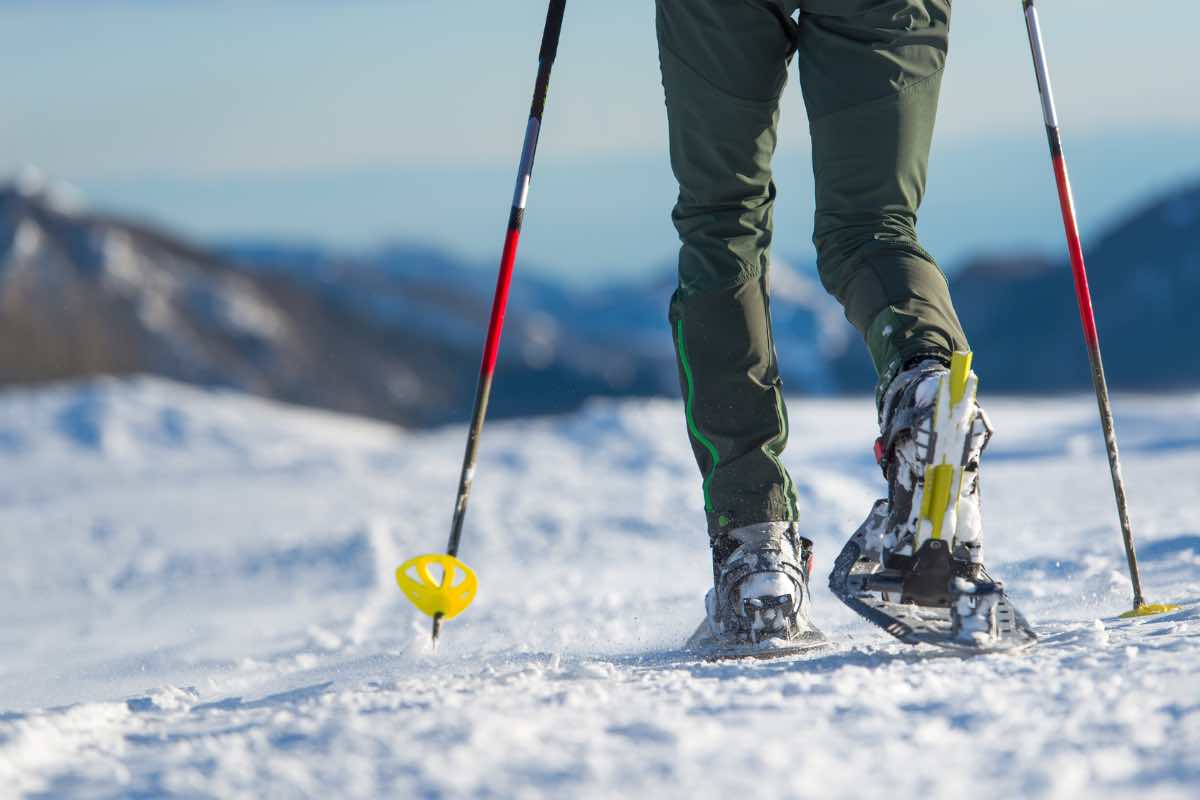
(306, 200)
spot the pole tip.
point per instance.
(436, 632)
(1150, 609)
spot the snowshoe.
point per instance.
(915, 566)
(758, 606)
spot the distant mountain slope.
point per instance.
(614, 338)
(558, 349)
(85, 294)
(396, 336)
(1145, 278)
(1023, 322)
(395, 333)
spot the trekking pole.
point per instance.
(447, 595)
(1083, 294)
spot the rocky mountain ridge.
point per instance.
(395, 333)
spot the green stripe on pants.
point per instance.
(689, 395)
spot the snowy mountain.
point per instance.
(560, 347)
(86, 294)
(83, 294)
(616, 335)
(1018, 309)
(395, 333)
(198, 601)
(1020, 313)
(1144, 273)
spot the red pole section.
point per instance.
(491, 348)
(1082, 292)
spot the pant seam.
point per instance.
(746, 274)
(773, 100)
(789, 502)
(899, 93)
(789, 495)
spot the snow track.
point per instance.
(198, 602)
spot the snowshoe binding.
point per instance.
(915, 566)
(758, 606)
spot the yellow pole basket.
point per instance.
(440, 596)
(1150, 609)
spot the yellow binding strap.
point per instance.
(960, 371)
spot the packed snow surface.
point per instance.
(198, 601)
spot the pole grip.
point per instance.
(550, 34)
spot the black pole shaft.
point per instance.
(1114, 468)
(491, 349)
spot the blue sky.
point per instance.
(353, 123)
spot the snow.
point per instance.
(63, 197)
(27, 240)
(198, 601)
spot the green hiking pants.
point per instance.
(870, 71)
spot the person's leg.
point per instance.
(870, 71)
(724, 65)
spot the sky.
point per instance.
(355, 123)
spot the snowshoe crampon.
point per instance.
(718, 644)
(931, 599)
(711, 648)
